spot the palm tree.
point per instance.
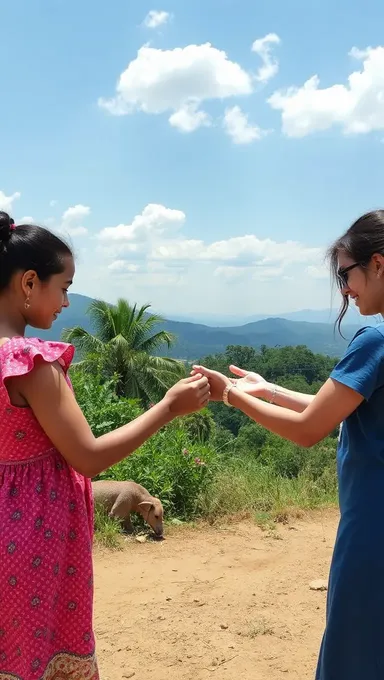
(122, 346)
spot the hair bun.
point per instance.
(6, 223)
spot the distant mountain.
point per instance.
(353, 317)
(198, 340)
(311, 315)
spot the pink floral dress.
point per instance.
(46, 527)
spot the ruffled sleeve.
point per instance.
(18, 355)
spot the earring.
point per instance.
(27, 303)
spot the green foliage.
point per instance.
(199, 426)
(103, 410)
(217, 461)
(223, 441)
(169, 470)
(251, 438)
(122, 346)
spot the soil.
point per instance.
(215, 602)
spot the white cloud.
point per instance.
(236, 125)
(178, 81)
(154, 238)
(27, 219)
(270, 65)
(71, 220)
(151, 258)
(76, 212)
(188, 118)
(156, 18)
(357, 107)
(249, 249)
(6, 202)
(181, 251)
(155, 220)
(123, 267)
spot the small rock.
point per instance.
(140, 539)
(129, 675)
(223, 626)
(318, 585)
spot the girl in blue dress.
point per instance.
(353, 644)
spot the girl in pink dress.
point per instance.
(47, 456)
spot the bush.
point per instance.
(103, 410)
(171, 471)
(198, 426)
(251, 438)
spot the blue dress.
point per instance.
(353, 642)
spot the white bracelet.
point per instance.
(227, 390)
(273, 394)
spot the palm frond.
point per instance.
(83, 341)
(155, 341)
(102, 318)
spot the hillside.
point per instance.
(197, 340)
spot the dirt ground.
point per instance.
(220, 603)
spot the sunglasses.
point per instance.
(343, 273)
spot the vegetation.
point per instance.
(122, 346)
(215, 462)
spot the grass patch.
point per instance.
(244, 485)
(107, 531)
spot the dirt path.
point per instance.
(215, 603)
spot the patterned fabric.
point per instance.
(46, 531)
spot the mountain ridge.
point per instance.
(198, 340)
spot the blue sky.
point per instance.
(216, 189)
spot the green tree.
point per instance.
(122, 345)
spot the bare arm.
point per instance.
(54, 405)
(333, 403)
(255, 385)
(281, 396)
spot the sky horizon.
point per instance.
(199, 156)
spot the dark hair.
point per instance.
(28, 246)
(360, 242)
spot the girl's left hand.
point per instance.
(217, 381)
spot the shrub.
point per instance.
(103, 410)
(169, 470)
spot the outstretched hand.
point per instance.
(249, 382)
(217, 381)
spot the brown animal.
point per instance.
(119, 499)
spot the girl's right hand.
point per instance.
(188, 395)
